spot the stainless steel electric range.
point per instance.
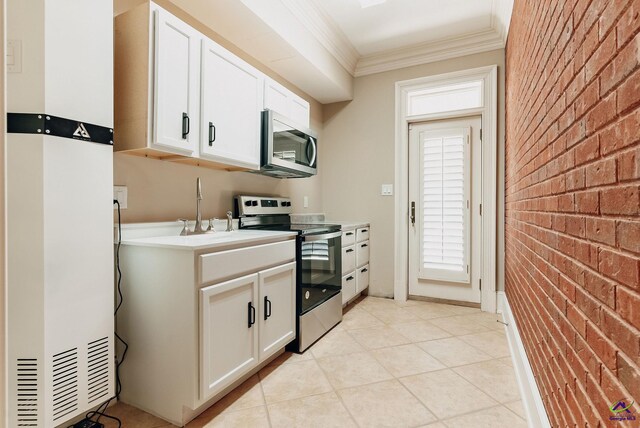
(319, 264)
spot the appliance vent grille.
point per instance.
(98, 367)
(65, 383)
(27, 393)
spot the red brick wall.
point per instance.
(572, 201)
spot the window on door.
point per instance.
(444, 201)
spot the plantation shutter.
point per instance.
(445, 210)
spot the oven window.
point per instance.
(320, 272)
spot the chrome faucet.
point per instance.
(229, 221)
(198, 229)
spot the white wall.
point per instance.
(358, 156)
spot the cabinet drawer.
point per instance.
(234, 263)
(362, 278)
(348, 259)
(362, 253)
(362, 234)
(348, 238)
(348, 287)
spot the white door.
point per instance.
(228, 333)
(445, 235)
(231, 105)
(176, 91)
(277, 315)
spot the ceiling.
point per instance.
(397, 24)
(321, 45)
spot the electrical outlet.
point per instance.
(386, 190)
(120, 195)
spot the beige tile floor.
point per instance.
(386, 365)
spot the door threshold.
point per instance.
(445, 301)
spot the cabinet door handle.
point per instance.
(349, 278)
(364, 270)
(251, 314)
(350, 250)
(212, 133)
(363, 245)
(186, 125)
(267, 308)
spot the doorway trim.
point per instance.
(489, 112)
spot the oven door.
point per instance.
(319, 268)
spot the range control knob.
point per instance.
(254, 203)
(247, 203)
(288, 204)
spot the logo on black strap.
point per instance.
(81, 131)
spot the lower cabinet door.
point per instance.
(363, 278)
(277, 315)
(228, 332)
(348, 287)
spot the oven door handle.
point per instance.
(322, 237)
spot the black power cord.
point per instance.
(101, 410)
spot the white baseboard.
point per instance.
(531, 399)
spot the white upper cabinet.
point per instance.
(283, 101)
(182, 97)
(231, 104)
(176, 89)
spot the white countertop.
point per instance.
(348, 225)
(196, 242)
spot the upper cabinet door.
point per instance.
(283, 101)
(176, 84)
(231, 104)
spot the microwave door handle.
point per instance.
(315, 151)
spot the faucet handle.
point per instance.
(185, 226)
(211, 228)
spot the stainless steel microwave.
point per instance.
(288, 150)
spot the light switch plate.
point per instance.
(386, 190)
(305, 202)
(120, 195)
(14, 56)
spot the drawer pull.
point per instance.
(251, 314)
(364, 270)
(349, 278)
(349, 233)
(267, 308)
(350, 250)
(364, 230)
(363, 245)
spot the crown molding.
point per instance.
(325, 31)
(501, 17)
(480, 41)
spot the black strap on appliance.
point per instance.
(45, 124)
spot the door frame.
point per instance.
(489, 113)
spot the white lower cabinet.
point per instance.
(228, 334)
(355, 262)
(348, 287)
(362, 278)
(277, 315)
(242, 323)
(199, 322)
